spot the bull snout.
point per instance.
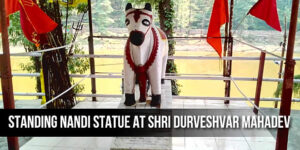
(137, 38)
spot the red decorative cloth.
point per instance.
(141, 71)
(266, 10)
(218, 17)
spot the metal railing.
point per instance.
(118, 75)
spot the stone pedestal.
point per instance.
(142, 143)
(146, 143)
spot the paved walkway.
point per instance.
(24, 104)
(294, 132)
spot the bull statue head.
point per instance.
(138, 22)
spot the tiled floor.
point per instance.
(178, 143)
(68, 143)
(25, 104)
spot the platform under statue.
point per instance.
(146, 54)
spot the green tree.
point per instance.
(166, 18)
(200, 14)
(182, 14)
(16, 37)
(118, 13)
(75, 65)
(101, 15)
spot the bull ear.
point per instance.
(148, 6)
(128, 6)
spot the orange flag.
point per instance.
(218, 17)
(267, 10)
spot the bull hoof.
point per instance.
(129, 100)
(156, 99)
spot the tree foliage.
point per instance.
(296, 89)
(102, 15)
(195, 14)
(16, 37)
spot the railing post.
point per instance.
(6, 76)
(229, 54)
(287, 87)
(259, 80)
(91, 49)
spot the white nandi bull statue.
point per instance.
(146, 55)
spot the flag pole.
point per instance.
(229, 48)
(6, 76)
(91, 49)
(287, 89)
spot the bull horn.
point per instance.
(128, 6)
(148, 6)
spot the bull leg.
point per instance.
(164, 62)
(142, 85)
(164, 67)
(154, 74)
(129, 84)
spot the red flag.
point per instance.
(39, 20)
(27, 28)
(218, 17)
(34, 21)
(11, 6)
(267, 11)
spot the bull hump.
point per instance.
(162, 34)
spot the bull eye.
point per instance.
(146, 22)
(127, 22)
